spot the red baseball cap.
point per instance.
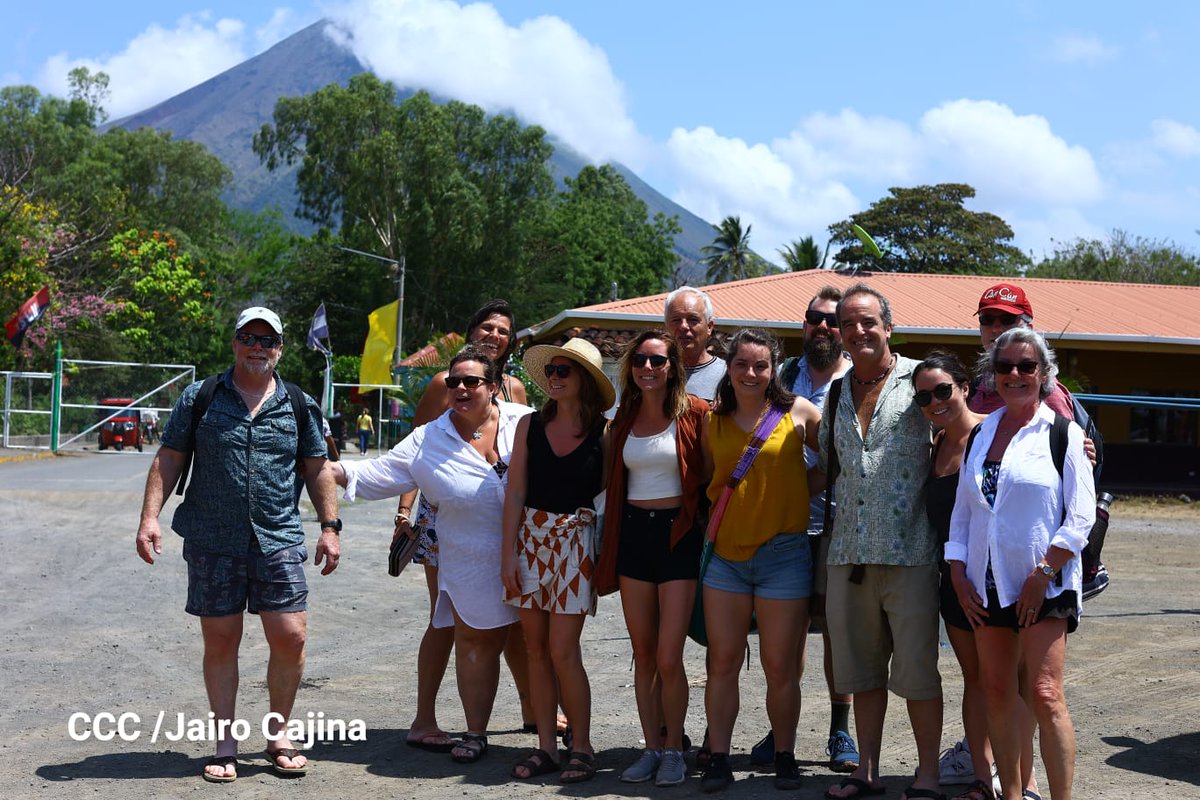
(1006, 297)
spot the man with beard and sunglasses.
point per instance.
(243, 539)
(810, 376)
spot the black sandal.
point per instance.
(473, 745)
(582, 763)
(538, 763)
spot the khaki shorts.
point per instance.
(892, 616)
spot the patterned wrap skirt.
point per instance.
(424, 526)
(557, 558)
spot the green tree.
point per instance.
(729, 257)
(1122, 257)
(596, 234)
(926, 229)
(444, 186)
(803, 254)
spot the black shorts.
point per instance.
(1062, 607)
(645, 554)
(952, 613)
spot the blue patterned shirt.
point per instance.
(243, 471)
(881, 487)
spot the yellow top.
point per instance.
(773, 496)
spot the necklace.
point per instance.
(877, 378)
(245, 393)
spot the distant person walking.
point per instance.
(366, 429)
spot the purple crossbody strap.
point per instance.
(762, 431)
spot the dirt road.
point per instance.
(89, 628)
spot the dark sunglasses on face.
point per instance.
(988, 320)
(642, 359)
(815, 318)
(269, 341)
(469, 381)
(942, 392)
(1023, 367)
(561, 370)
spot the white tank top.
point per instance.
(653, 466)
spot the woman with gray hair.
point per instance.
(1019, 523)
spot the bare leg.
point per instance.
(432, 659)
(222, 637)
(477, 663)
(286, 634)
(639, 601)
(518, 665)
(974, 707)
(779, 626)
(573, 686)
(997, 648)
(870, 709)
(535, 624)
(926, 719)
(727, 620)
(676, 599)
(1044, 649)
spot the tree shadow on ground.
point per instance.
(1173, 758)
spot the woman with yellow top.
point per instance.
(761, 564)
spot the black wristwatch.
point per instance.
(335, 525)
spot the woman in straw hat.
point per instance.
(548, 552)
(652, 540)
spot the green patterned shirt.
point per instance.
(881, 487)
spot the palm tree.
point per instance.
(729, 257)
(803, 254)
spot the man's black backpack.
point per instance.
(204, 400)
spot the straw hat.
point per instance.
(582, 352)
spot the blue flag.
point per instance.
(318, 330)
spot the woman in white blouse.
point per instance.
(1015, 538)
(459, 461)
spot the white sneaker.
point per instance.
(954, 765)
(995, 781)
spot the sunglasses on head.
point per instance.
(561, 370)
(987, 320)
(1023, 367)
(814, 318)
(469, 381)
(269, 341)
(942, 392)
(642, 359)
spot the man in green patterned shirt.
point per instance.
(882, 598)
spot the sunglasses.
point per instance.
(815, 318)
(942, 392)
(269, 341)
(988, 320)
(642, 359)
(561, 370)
(1023, 367)
(469, 381)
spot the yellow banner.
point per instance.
(380, 346)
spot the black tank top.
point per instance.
(562, 484)
(939, 497)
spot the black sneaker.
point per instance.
(763, 753)
(787, 774)
(717, 775)
(1096, 583)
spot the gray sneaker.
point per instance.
(644, 768)
(672, 770)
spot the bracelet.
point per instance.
(396, 520)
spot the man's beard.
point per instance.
(257, 367)
(822, 352)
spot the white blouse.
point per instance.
(1027, 519)
(469, 496)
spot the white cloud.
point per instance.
(283, 23)
(1038, 236)
(542, 70)
(849, 144)
(1176, 138)
(1082, 48)
(1007, 156)
(157, 64)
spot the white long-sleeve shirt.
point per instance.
(469, 496)
(1027, 519)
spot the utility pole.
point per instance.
(397, 270)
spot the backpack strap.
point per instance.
(200, 406)
(1058, 442)
(300, 409)
(789, 371)
(970, 441)
(831, 457)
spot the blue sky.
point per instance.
(1069, 118)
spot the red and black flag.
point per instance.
(31, 311)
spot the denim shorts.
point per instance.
(781, 569)
(220, 585)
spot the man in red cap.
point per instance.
(1002, 307)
